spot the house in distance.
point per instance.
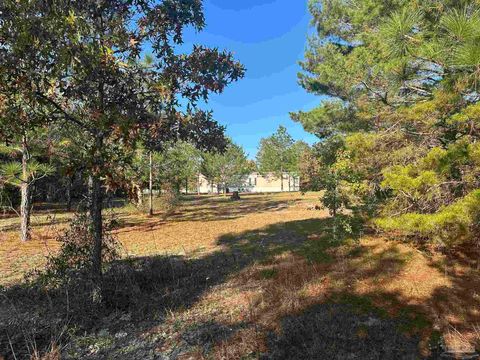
(252, 183)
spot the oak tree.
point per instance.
(82, 62)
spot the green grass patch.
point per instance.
(316, 251)
(356, 252)
(360, 304)
(412, 322)
(268, 273)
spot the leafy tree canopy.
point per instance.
(226, 168)
(279, 153)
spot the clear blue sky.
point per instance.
(268, 37)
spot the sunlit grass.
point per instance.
(193, 229)
(286, 261)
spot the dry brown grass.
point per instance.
(433, 292)
(195, 227)
(390, 276)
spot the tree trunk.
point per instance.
(49, 193)
(95, 197)
(26, 198)
(25, 212)
(150, 186)
(186, 186)
(96, 217)
(281, 173)
(138, 189)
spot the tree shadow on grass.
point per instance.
(199, 210)
(226, 209)
(145, 287)
(311, 294)
(338, 331)
(459, 301)
(38, 222)
(299, 267)
(50, 214)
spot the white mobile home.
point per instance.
(253, 183)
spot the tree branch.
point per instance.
(67, 116)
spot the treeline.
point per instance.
(174, 166)
(179, 164)
(178, 167)
(399, 128)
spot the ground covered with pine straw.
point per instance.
(258, 278)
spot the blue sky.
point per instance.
(268, 37)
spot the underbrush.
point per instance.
(39, 314)
(169, 202)
(166, 203)
(55, 307)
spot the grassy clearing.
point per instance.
(193, 229)
(262, 278)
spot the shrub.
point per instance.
(169, 201)
(75, 255)
(57, 301)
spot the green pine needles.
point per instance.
(399, 126)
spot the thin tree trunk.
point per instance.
(198, 185)
(281, 172)
(96, 202)
(25, 212)
(49, 195)
(25, 190)
(186, 186)
(95, 197)
(96, 217)
(138, 189)
(150, 186)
